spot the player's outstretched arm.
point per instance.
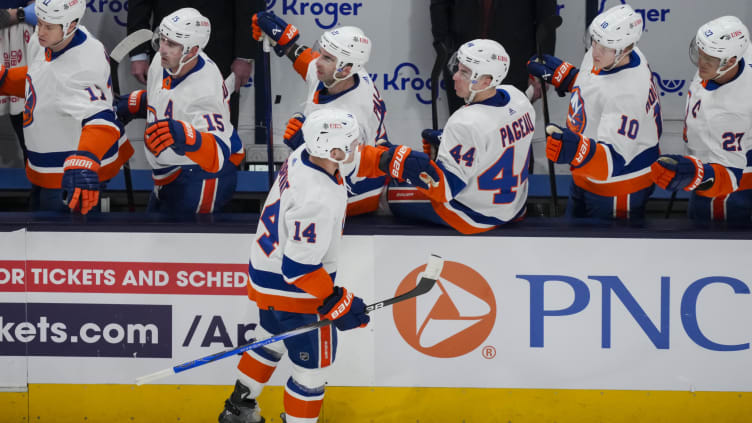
(131, 106)
(281, 34)
(555, 71)
(13, 81)
(293, 136)
(586, 156)
(674, 172)
(405, 165)
(185, 140)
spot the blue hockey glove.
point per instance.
(176, 134)
(565, 146)
(131, 106)
(414, 167)
(554, 71)
(431, 138)
(344, 309)
(280, 32)
(81, 181)
(673, 172)
(293, 137)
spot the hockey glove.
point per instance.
(344, 309)
(414, 167)
(81, 181)
(293, 137)
(431, 138)
(554, 71)
(280, 32)
(565, 146)
(133, 105)
(673, 172)
(176, 134)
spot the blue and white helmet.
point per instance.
(327, 129)
(188, 27)
(61, 12)
(723, 38)
(617, 28)
(349, 45)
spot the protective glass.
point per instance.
(454, 67)
(697, 56)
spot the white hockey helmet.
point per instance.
(327, 129)
(187, 27)
(349, 45)
(62, 12)
(482, 57)
(617, 28)
(723, 38)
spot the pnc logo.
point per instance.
(452, 319)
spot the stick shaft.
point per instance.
(430, 275)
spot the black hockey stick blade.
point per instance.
(431, 273)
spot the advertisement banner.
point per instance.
(13, 369)
(113, 306)
(554, 313)
(569, 313)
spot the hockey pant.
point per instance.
(734, 208)
(195, 191)
(583, 203)
(311, 355)
(409, 204)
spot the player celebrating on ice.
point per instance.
(336, 77)
(614, 120)
(717, 127)
(74, 140)
(191, 145)
(292, 267)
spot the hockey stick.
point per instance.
(438, 65)
(427, 281)
(545, 29)
(266, 63)
(117, 55)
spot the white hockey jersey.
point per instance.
(294, 255)
(620, 110)
(199, 98)
(364, 101)
(484, 155)
(64, 92)
(718, 122)
(14, 42)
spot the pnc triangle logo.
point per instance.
(452, 319)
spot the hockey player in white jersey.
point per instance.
(191, 145)
(336, 77)
(718, 127)
(75, 143)
(614, 120)
(479, 180)
(292, 269)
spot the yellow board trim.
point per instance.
(61, 403)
